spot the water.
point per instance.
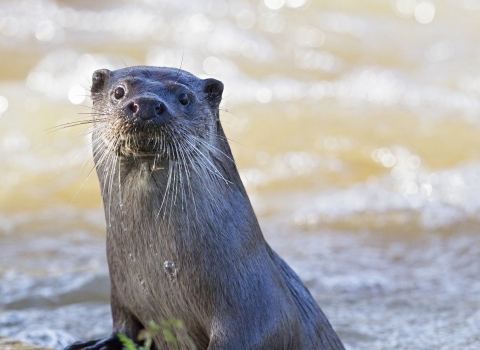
(355, 126)
(170, 269)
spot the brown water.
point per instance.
(356, 129)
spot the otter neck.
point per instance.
(177, 209)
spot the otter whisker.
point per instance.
(180, 178)
(88, 176)
(113, 164)
(223, 138)
(97, 153)
(211, 148)
(175, 177)
(203, 176)
(186, 175)
(81, 152)
(200, 177)
(104, 154)
(213, 168)
(109, 159)
(179, 69)
(94, 113)
(173, 185)
(167, 187)
(228, 111)
(208, 145)
(69, 125)
(96, 116)
(189, 186)
(58, 143)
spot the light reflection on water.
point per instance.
(355, 128)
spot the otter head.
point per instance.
(153, 111)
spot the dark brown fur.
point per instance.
(172, 194)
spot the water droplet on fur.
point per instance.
(144, 286)
(170, 269)
(132, 257)
(144, 167)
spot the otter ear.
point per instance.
(213, 90)
(99, 78)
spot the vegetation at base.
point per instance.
(169, 329)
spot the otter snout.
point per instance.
(147, 108)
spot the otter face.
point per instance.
(150, 111)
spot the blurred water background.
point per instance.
(357, 134)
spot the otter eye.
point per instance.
(119, 92)
(183, 98)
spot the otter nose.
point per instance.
(147, 108)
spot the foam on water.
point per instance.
(385, 294)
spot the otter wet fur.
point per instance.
(182, 238)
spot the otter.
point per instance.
(182, 237)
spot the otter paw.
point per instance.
(110, 343)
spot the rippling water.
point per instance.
(355, 125)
